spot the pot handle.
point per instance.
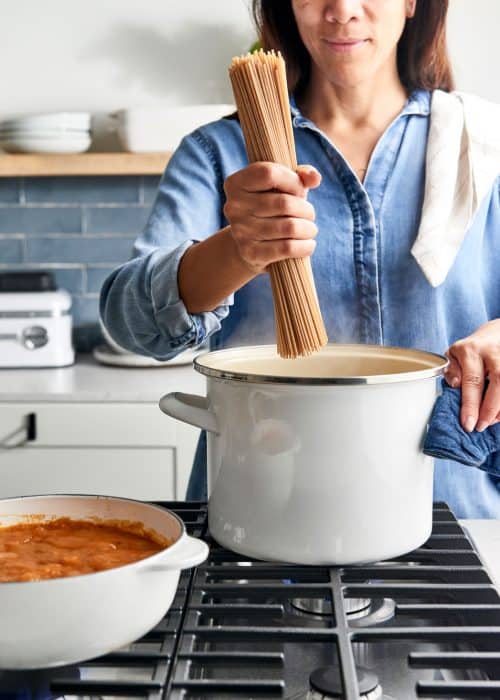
(189, 408)
(194, 552)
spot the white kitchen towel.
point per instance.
(462, 163)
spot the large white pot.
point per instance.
(65, 620)
(316, 460)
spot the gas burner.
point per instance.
(326, 683)
(380, 610)
(312, 606)
(361, 612)
(323, 606)
(357, 607)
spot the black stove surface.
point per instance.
(425, 625)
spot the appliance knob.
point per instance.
(35, 337)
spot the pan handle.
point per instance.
(190, 408)
(192, 553)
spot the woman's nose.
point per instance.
(343, 11)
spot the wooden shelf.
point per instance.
(40, 165)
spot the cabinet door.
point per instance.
(75, 424)
(144, 474)
(139, 436)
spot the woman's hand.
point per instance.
(472, 360)
(269, 216)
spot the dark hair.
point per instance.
(422, 53)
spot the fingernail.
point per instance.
(470, 422)
(482, 425)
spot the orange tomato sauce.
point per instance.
(65, 547)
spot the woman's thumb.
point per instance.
(310, 177)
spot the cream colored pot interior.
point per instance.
(333, 361)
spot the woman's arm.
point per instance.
(210, 271)
(140, 303)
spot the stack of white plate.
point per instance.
(62, 132)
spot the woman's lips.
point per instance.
(345, 46)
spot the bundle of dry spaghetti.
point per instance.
(260, 90)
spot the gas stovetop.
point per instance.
(425, 625)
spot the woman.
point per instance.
(363, 76)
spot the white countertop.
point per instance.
(485, 535)
(87, 380)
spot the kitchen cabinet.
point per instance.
(94, 429)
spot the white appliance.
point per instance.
(35, 329)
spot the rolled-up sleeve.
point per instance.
(140, 304)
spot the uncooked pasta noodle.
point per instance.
(261, 95)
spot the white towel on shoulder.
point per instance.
(462, 163)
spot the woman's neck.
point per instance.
(353, 118)
(373, 104)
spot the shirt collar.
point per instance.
(419, 102)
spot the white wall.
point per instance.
(475, 46)
(106, 54)
(100, 55)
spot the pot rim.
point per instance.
(436, 370)
(78, 577)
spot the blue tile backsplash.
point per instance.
(34, 220)
(113, 219)
(92, 249)
(83, 190)
(10, 191)
(11, 249)
(78, 228)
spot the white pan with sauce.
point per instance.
(60, 621)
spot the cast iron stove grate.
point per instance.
(238, 629)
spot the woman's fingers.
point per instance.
(266, 252)
(475, 360)
(263, 177)
(453, 373)
(284, 227)
(269, 240)
(309, 176)
(268, 205)
(258, 229)
(472, 370)
(490, 407)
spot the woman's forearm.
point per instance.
(211, 270)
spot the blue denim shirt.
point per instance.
(370, 288)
